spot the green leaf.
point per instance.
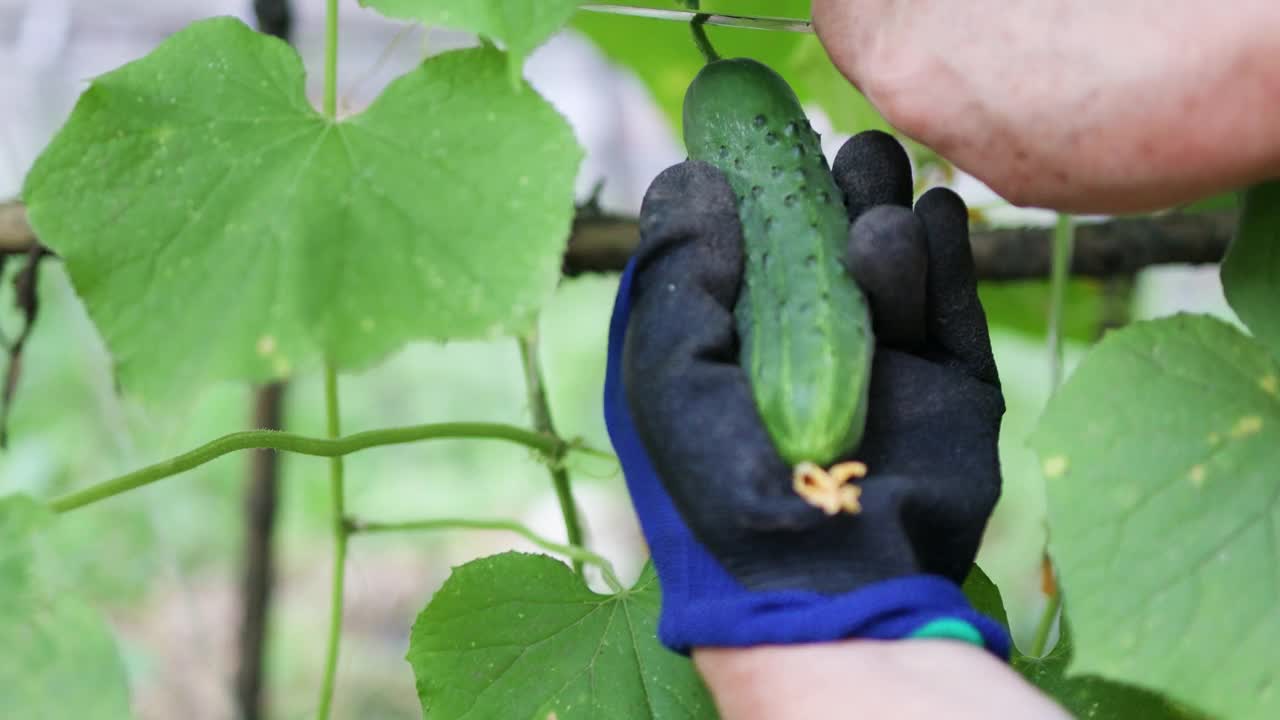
(663, 55)
(1085, 696)
(59, 659)
(1251, 270)
(1089, 696)
(1024, 307)
(20, 518)
(1160, 455)
(985, 596)
(849, 110)
(217, 227)
(520, 25)
(1214, 203)
(520, 636)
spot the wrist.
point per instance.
(866, 678)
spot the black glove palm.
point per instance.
(934, 406)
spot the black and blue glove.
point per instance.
(742, 559)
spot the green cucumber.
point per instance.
(804, 328)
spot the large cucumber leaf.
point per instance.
(1023, 306)
(519, 636)
(1093, 697)
(520, 25)
(1251, 270)
(218, 227)
(1090, 697)
(60, 659)
(1160, 455)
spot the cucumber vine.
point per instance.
(699, 29)
(1060, 269)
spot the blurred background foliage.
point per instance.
(162, 563)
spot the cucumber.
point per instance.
(803, 323)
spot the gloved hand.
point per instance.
(742, 559)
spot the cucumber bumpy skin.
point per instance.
(803, 323)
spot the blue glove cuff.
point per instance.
(702, 605)
(889, 610)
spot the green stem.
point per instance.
(541, 411)
(1059, 273)
(331, 58)
(575, 553)
(551, 447)
(340, 534)
(1046, 623)
(579, 446)
(699, 28)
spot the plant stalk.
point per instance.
(331, 59)
(1040, 642)
(542, 422)
(1059, 273)
(575, 553)
(339, 546)
(699, 29)
(550, 447)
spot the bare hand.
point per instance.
(1114, 106)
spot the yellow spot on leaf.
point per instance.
(1214, 438)
(1270, 385)
(367, 324)
(266, 345)
(1247, 425)
(1055, 466)
(281, 366)
(1196, 475)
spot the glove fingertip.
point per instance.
(957, 323)
(887, 255)
(884, 240)
(871, 169)
(693, 188)
(690, 210)
(942, 204)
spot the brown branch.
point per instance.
(1107, 249)
(261, 493)
(275, 17)
(603, 242)
(27, 299)
(16, 235)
